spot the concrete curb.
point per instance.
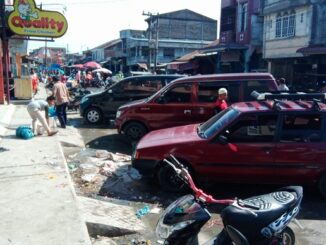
(72, 189)
(6, 118)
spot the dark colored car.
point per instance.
(270, 141)
(188, 100)
(97, 106)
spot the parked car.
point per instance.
(188, 100)
(97, 106)
(270, 141)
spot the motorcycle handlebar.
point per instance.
(184, 174)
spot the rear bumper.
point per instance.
(145, 167)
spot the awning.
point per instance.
(311, 50)
(182, 66)
(223, 46)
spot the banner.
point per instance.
(28, 20)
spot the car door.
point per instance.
(206, 94)
(299, 148)
(114, 98)
(173, 108)
(248, 155)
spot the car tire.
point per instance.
(169, 181)
(322, 185)
(135, 131)
(93, 115)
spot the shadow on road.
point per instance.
(113, 143)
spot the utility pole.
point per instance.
(152, 43)
(5, 47)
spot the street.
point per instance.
(140, 192)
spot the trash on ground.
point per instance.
(88, 168)
(89, 177)
(155, 210)
(72, 166)
(2, 149)
(24, 132)
(143, 211)
(51, 176)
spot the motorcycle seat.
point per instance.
(250, 222)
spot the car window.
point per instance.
(301, 128)
(259, 86)
(142, 87)
(178, 94)
(252, 128)
(207, 91)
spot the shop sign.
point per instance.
(28, 20)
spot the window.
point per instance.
(141, 87)
(301, 18)
(178, 94)
(291, 30)
(168, 52)
(301, 128)
(278, 26)
(285, 25)
(253, 128)
(243, 17)
(207, 92)
(259, 86)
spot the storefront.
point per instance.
(25, 22)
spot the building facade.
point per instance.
(295, 41)
(240, 47)
(168, 37)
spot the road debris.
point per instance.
(143, 211)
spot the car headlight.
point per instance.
(84, 99)
(118, 114)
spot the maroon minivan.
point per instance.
(188, 100)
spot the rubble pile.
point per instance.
(91, 169)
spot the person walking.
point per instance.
(34, 109)
(61, 94)
(220, 103)
(34, 80)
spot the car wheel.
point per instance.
(135, 131)
(322, 185)
(93, 115)
(169, 181)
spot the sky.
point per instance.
(94, 22)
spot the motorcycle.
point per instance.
(261, 220)
(75, 97)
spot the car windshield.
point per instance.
(214, 124)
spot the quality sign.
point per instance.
(28, 20)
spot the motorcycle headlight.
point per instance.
(84, 99)
(118, 114)
(164, 231)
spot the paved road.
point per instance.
(312, 214)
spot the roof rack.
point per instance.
(289, 96)
(280, 97)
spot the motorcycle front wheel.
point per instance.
(288, 237)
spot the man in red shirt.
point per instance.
(220, 103)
